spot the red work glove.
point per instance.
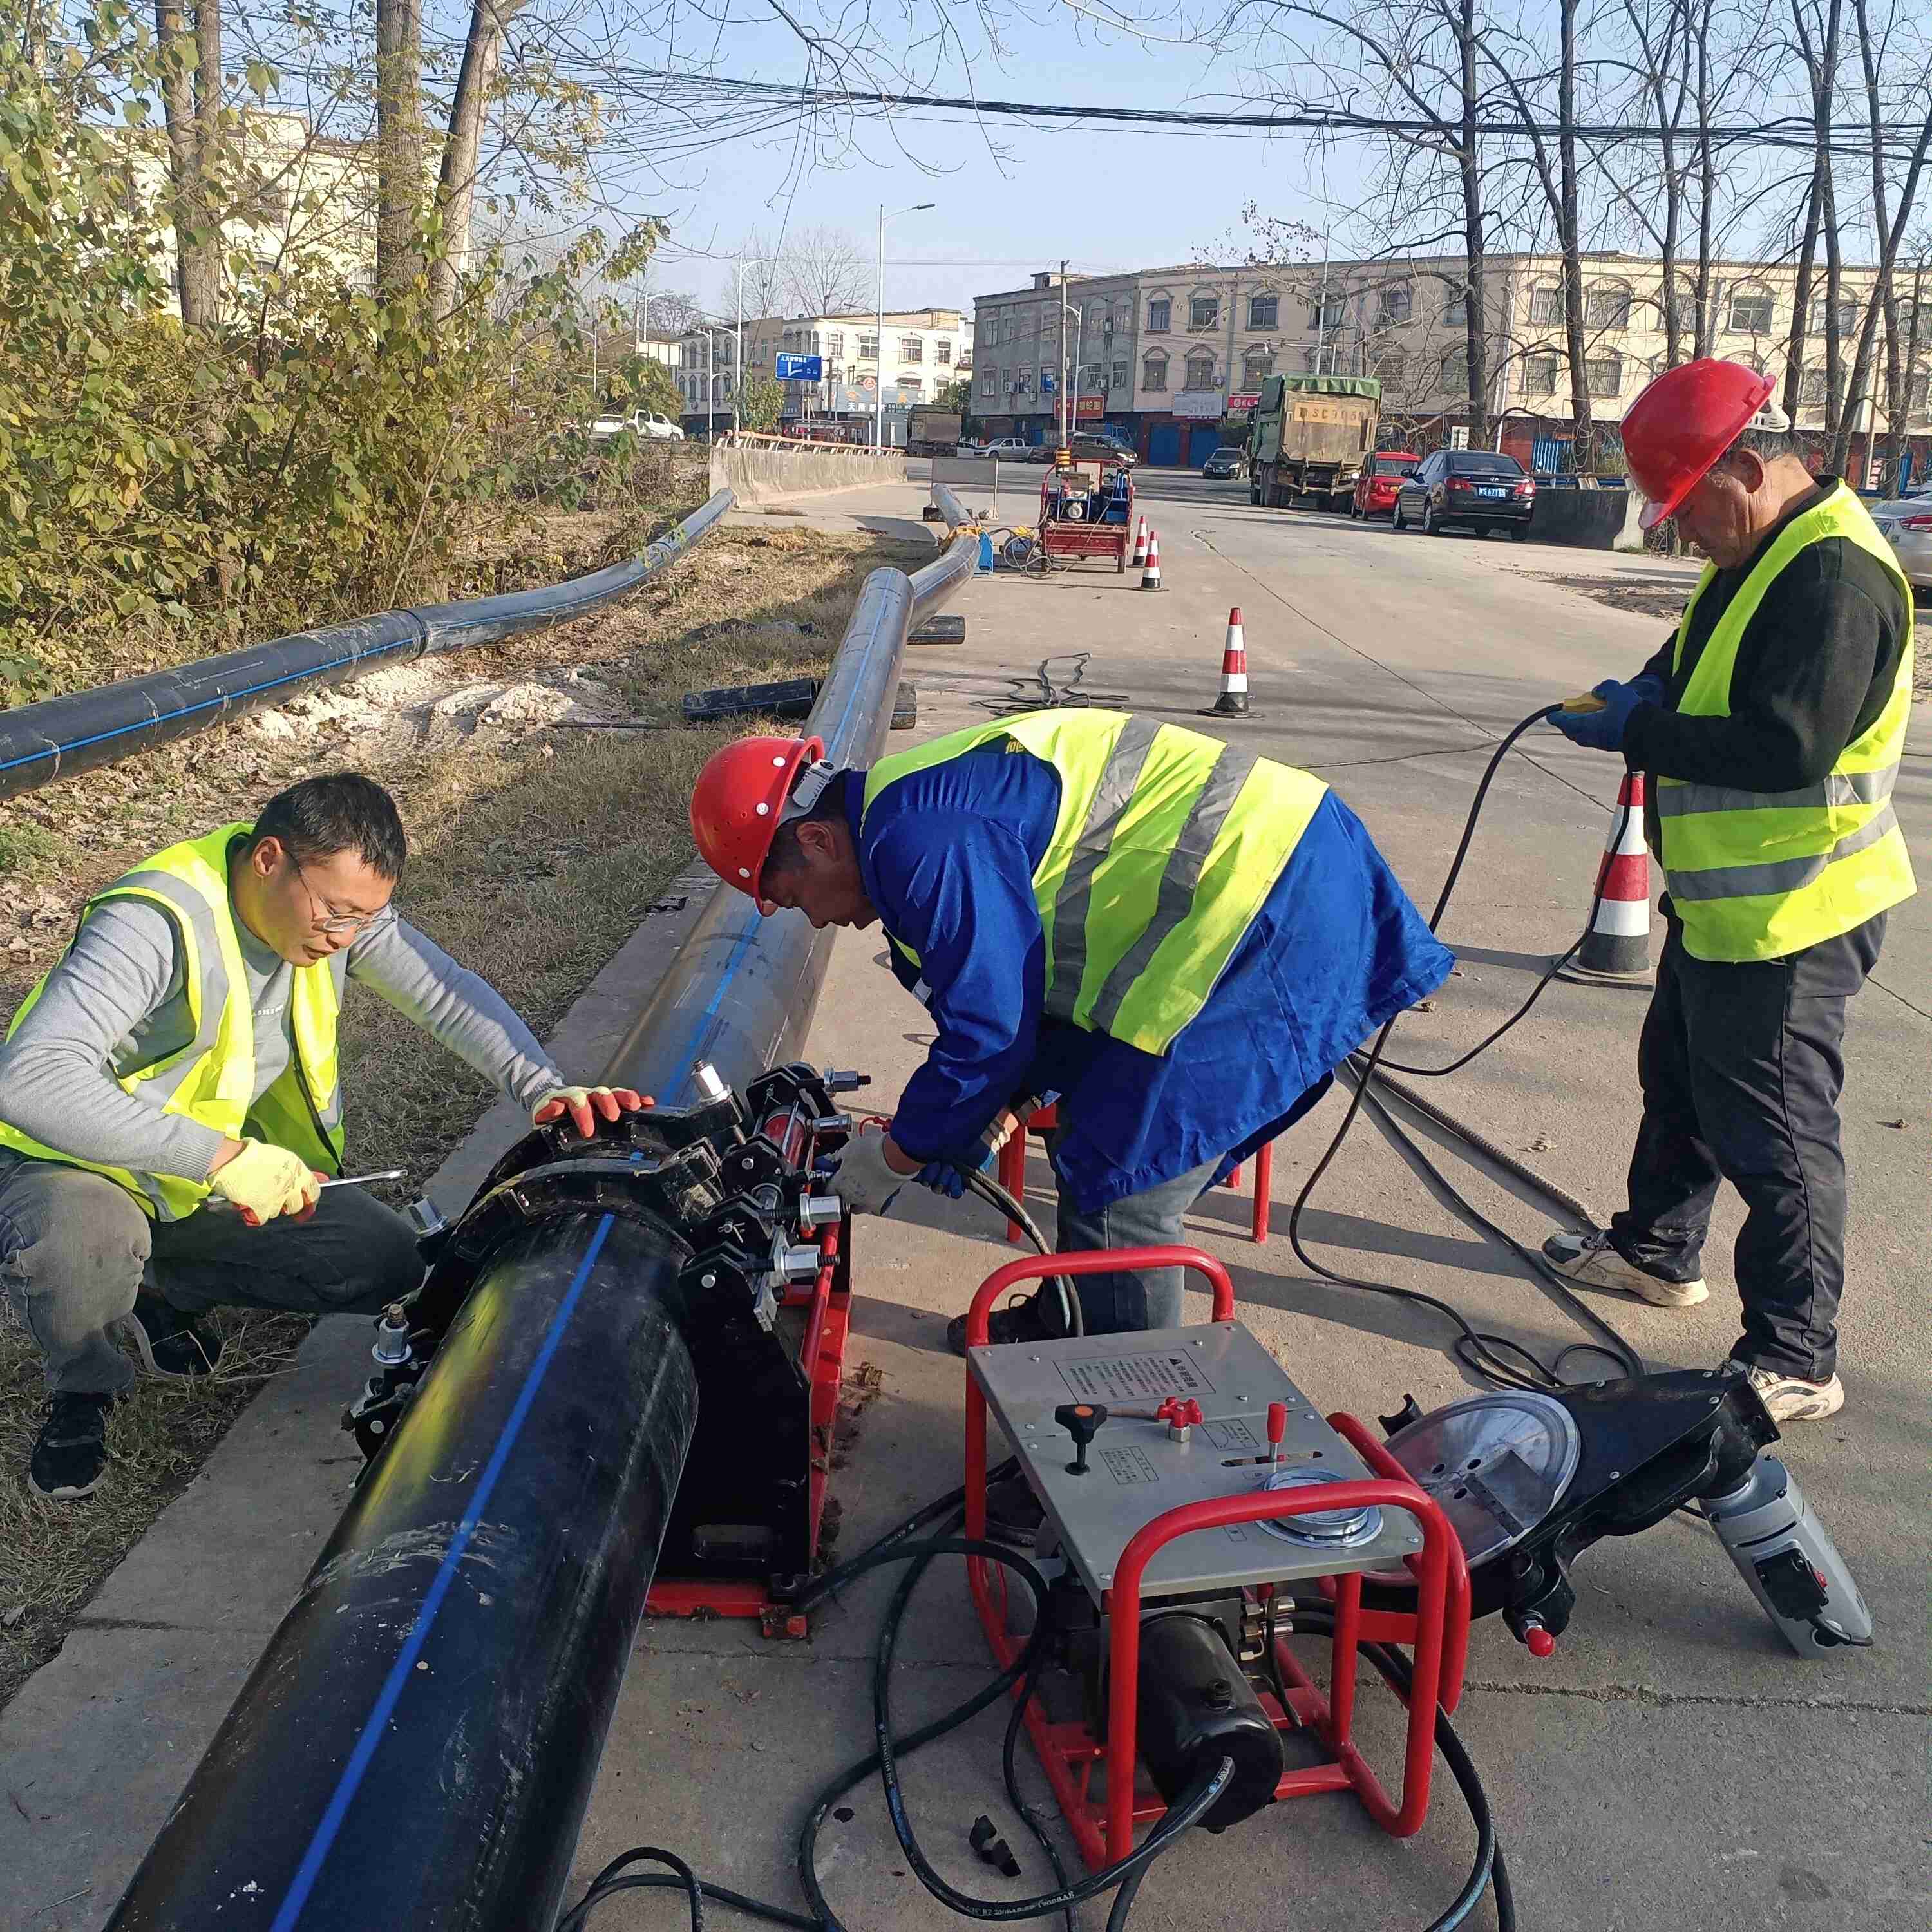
(610, 1102)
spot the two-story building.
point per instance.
(1170, 358)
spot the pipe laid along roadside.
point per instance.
(416, 1745)
(60, 737)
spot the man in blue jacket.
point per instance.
(1178, 939)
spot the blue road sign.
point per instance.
(801, 368)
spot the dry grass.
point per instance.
(534, 857)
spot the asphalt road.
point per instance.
(1672, 1766)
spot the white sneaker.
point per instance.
(1791, 1398)
(1590, 1261)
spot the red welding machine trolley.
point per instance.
(1202, 1443)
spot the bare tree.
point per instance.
(191, 103)
(1906, 333)
(463, 146)
(400, 164)
(825, 272)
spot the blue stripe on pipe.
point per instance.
(67, 744)
(310, 1868)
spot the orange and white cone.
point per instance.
(1617, 947)
(1139, 559)
(1233, 701)
(1151, 571)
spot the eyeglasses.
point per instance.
(339, 926)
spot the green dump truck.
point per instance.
(1309, 436)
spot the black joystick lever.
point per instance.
(1081, 1420)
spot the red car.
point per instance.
(1381, 478)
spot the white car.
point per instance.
(645, 423)
(1907, 523)
(1014, 449)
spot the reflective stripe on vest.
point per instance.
(1757, 875)
(1166, 844)
(211, 1079)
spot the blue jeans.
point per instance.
(1123, 1304)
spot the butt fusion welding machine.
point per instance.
(1198, 1508)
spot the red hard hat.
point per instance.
(739, 799)
(1682, 423)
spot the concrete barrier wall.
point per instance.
(1587, 519)
(969, 470)
(763, 472)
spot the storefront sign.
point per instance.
(1203, 405)
(1092, 406)
(1241, 405)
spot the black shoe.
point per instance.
(172, 1344)
(1018, 1322)
(70, 1452)
(1013, 1513)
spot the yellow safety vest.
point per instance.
(1756, 875)
(212, 1079)
(1167, 843)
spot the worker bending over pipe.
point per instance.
(169, 1103)
(1771, 725)
(1179, 939)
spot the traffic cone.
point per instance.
(1617, 947)
(1233, 701)
(1139, 559)
(1151, 571)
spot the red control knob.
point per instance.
(1277, 1423)
(1190, 1412)
(1539, 1642)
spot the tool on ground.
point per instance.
(1616, 946)
(1150, 574)
(1233, 701)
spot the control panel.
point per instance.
(1114, 1430)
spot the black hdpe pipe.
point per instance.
(740, 993)
(59, 737)
(416, 1747)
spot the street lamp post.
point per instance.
(879, 344)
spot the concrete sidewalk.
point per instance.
(1671, 1766)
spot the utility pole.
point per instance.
(879, 399)
(1063, 352)
(738, 382)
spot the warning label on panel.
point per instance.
(1129, 1465)
(1114, 1378)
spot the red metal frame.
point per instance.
(1068, 539)
(1436, 1631)
(827, 1299)
(1013, 1173)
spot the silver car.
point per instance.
(1907, 524)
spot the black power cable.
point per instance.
(1495, 1358)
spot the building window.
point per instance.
(1158, 310)
(1326, 312)
(1607, 306)
(1546, 306)
(1683, 308)
(989, 381)
(1392, 370)
(868, 349)
(1455, 372)
(1812, 393)
(912, 349)
(1456, 310)
(1848, 318)
(1153, 374)
(912, 385)
(942, 351)
(1752, 311)
(1919, 393)
(1257, 363)
(835, 345)
(1201, 370)
(1396, 305)
(1204, 312)
(1604, 375)
(1264, 311)
(1012, 329)
(1116, 376)
(1539, 375)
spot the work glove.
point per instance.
(264, 1181)
(949, 1178)
(584, 1104)
(1603, 730)
(863, 1180)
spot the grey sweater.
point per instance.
(118, 999)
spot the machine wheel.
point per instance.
(1395, 516)
(1254, 493)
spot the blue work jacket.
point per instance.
(947, 855)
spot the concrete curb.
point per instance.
(99, 1742)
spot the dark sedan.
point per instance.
(1230, 460)
(1477, 490)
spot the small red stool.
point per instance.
(1012, 1172)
